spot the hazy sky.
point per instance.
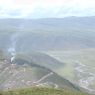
(46, 8)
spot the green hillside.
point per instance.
(41, 91)
(28, 73)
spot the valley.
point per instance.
(78, 67)
(86, 77)
(56, 53)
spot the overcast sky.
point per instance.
(46, 8)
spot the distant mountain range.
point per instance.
(49, 33)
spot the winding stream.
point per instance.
(86, 78)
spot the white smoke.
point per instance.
(12, 48)
(13, 40)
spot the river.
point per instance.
(85, 76)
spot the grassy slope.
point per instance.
(41, 91)
(31, 72)
(50, 63)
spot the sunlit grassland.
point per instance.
(41, 91)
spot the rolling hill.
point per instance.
(49, 34)
(24, 73)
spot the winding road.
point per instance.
(47, 83)
(44, 77)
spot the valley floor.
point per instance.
(79, 67)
